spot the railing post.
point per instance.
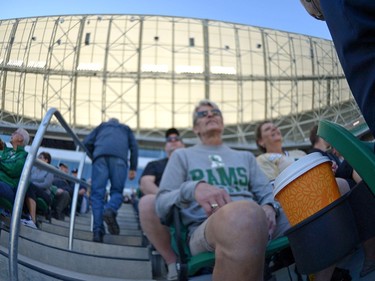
(20, 196)
(74, 202)
(24, 183)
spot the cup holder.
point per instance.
(325, 237)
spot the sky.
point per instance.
(288, 15)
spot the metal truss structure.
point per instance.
(150, 71)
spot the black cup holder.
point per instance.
(325, 237)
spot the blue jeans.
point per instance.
(7, 192)
(107, 168)
(352, 26)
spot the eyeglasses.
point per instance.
(174, 138)
(204, 113)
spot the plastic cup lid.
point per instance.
(297, 169)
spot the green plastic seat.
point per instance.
(359, 154)
(43, 208)
(6, 205)
(189, 265)
(42, 205)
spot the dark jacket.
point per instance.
(113, 139)
(11, 165)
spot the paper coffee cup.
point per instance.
(306, 186)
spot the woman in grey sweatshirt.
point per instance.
(227, 201)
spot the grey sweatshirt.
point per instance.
(235, 171)
(41, 178)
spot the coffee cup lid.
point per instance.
(297, 169)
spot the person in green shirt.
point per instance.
(12, 160)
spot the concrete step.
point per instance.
(32, 270)
(127, 219)
(125, 229)
(43, 253)
(123, 216)
(125, 240)
(82, 246)
(130, 232)
(91, 264)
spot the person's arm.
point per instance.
(133, 147)
(89, 141)
(175, 188)
(356, 177)
(260, 184)
(68, 187)
(82, 191)
(147, 184)
(210, 197)
(132, 174)
(263, 191)
(269, 164)
(43, 182)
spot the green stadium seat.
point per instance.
(359, 154)
(43, 208)
(189, 265)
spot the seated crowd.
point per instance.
(216, 187)
(225, 195)
(55, 192)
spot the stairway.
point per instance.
(43, 253)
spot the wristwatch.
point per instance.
(276, 207)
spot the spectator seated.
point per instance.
(203, 263)
(7, 208)
(359, 154)
(42, 207)
(353, 212)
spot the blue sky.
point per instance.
(287, 15)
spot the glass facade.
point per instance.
(150, 71)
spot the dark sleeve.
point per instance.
(149, 169)
(89, 141)
(352, 26)
(63, 184)
(344, 170)
(133, 147)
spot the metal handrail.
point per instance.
(24, 182)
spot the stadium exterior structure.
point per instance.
(150, 70)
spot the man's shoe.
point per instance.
(109, 217)
(98, 237)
